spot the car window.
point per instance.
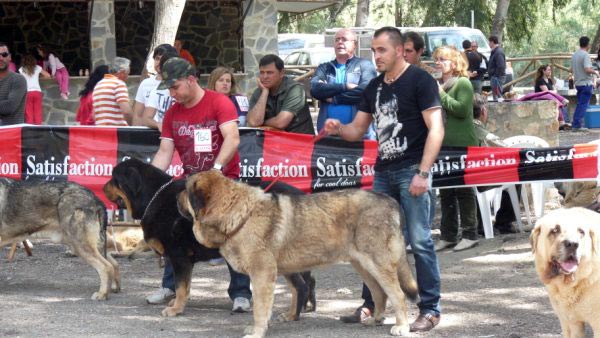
(292, 59)
(290, 44)
(482, 43)
(319, 58)
(304, 59)
(438, 40)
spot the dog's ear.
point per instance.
(133, 183)
(533, 238)
(594, 237)
(195, 196)
(183, 206)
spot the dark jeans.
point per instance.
(455, 202)
(239, 284)
(476, 86)
(496, 83)
(584, 93)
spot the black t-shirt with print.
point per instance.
(397, 112)
(541, 82)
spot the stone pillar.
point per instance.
(259, 38)
(103, 45)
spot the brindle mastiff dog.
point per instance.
(67, 213)
(150, 195)
(263, 235)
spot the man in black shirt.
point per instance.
(475, 59)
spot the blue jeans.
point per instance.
(496, 83)
(584, 93)
(395, 183)
(239, 284)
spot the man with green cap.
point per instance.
(202, 127)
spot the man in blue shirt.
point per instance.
(339, 83)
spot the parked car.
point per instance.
(289, 42)
(309, 57)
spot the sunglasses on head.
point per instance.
(4, 54)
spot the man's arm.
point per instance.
(281, 121)
(127, 112)
(320, 89)
(163, 157)
(292, 104)
(148, 118)
(353, 131)
(18, 90)
(138, 113)
(256, 114)
(435, 136)
(353, 92)
(231, 140)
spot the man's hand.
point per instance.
(332, 127)
(260, 85)
(418, 186)
(351, 86)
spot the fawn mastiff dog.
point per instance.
(567, 259)
(65, 212)
(263, 235)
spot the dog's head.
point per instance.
(564, 243)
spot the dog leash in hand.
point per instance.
(315, 139)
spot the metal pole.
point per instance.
(472, 19)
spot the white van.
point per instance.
(289, 42)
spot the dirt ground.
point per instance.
(489, 291)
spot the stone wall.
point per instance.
(537, 118)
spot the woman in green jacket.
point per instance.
(456, 94)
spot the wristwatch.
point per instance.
(422, 173)
(217, 166)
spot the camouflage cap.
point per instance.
(173, 70)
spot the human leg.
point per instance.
(167, 290)
(239, 290)
(62, 77)
(37, 107)
(468, 212)
(584, 93)
(449, 222)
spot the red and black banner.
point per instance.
(87, 155)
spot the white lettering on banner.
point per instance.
(9, 168)
(278, 170)
(52, 168)
(555, 156)
(445, 166)
(344, 168)
(175, 170)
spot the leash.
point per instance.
(228, 236)
(155, 195)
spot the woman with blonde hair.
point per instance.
(456, 93)
(33, 101)
(222, 81)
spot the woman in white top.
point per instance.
(33, 102)
(58, 70)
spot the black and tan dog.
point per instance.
(150, 195)
(263, 235)
(67, 213)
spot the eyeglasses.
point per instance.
(342, 40)
(4, 54)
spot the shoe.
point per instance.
(465, 244)
(442, 244)
(241, 305)
(161, 296)
(565, 126)
(216, 261)
(505, 228)
(361, 314)
(425, 322)
(64, 96)
(580, 130)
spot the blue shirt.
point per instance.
(342, 112)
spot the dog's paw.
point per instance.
(99, 296)
(285, 317)
(115, 288)
(171, 311)
(400, 330)
(251, 332)
(309, 308)
(371, 321)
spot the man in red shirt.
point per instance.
(184, 53)
(202, 127)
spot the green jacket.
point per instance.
(458, 105)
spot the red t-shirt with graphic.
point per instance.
(213, 111)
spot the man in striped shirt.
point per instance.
(111, 98)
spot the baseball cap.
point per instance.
(174, 69)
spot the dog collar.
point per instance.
(237, 229)
(154, 197)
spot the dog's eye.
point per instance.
(581, 232)
(555, 231)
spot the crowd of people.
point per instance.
(410, 108)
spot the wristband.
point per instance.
(217, 166)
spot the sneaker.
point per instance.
(64, 96)
(358, 316)
(161, 296)
(442, 244)
(465, 244)
(216, 261)
(580, 130)
(241, 305)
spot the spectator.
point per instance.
(111, 98)
(222, 81)
(143, 92)
(214, 115)
(480, 116)
(279, 102)
(475, 59)
(13, 90)
(159, 100)
(57, 69)
(184, 53)
(33, 103)
(497, 68)
(339, 83)
(583, 74)
(404, 102)
(85, 112)
(456, 94)
(414, 47)
(484, 61)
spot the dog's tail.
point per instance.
(408, 284)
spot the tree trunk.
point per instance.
(596, 42)
(399, 14)
(167, 14)
(362, 13)
(500, 18)
(336, 10)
